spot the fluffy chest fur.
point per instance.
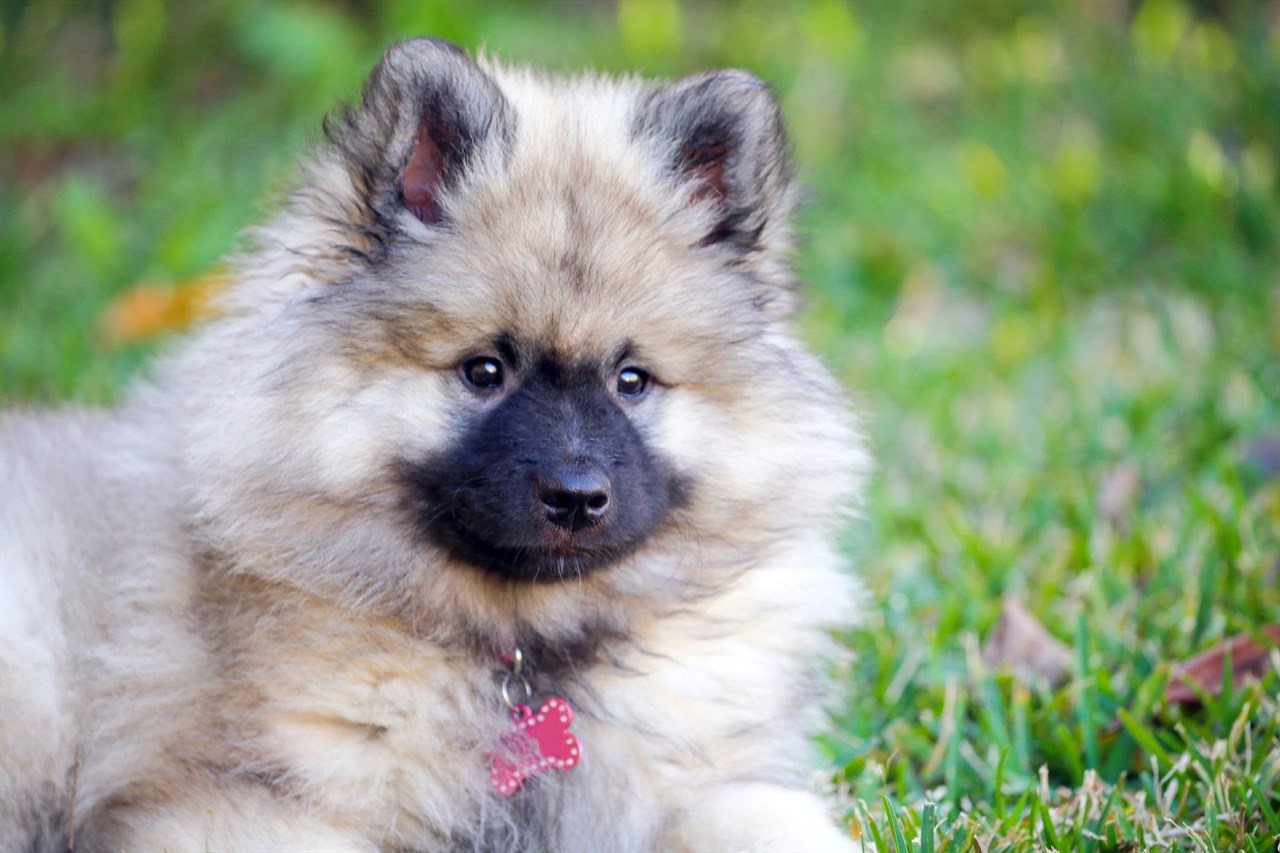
(368, 723)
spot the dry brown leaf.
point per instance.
(148, 309)
(1022, 645)
(1250, 659)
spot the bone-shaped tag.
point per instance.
(538, 742)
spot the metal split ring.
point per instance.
(517, 663)
(506, 690)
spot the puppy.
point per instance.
(494, 511)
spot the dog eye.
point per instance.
(483, 372)
(632, 382)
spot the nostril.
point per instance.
(574, 497)
(557, 499)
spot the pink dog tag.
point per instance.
(539, 742)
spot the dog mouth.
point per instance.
(545, 558)
(515, 538)
(519, 536)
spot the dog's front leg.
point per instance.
(234, 817)
(758, 816)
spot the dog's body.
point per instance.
(513, 371)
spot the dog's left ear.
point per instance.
(721, 137)
(428, 115)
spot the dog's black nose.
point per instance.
(574, 497)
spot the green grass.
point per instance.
(1042, 243)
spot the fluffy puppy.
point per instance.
(511, 382)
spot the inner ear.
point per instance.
(704, 160)
(423, 178)
(444, 142)
(708, 158)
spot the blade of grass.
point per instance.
(951, 771)
(1046, 824)
(1007, 822)
(997, 795)
(1207, 587)
(1273, 820)
(1101, 821)
(891, 813)
(869, 825)
(1226, 697)
(1087, 702)
(927, 822)
(1079, 822)
(1145, 737)
(1069, 750)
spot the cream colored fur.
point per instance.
(217, 630)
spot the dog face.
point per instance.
(520, 331)
(554, 479)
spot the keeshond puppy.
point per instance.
(494, 511)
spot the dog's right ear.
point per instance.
(427, 115)
(721, 137)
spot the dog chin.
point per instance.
(552, 561)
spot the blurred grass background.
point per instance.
(1042, 242)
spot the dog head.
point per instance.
(515, 331)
